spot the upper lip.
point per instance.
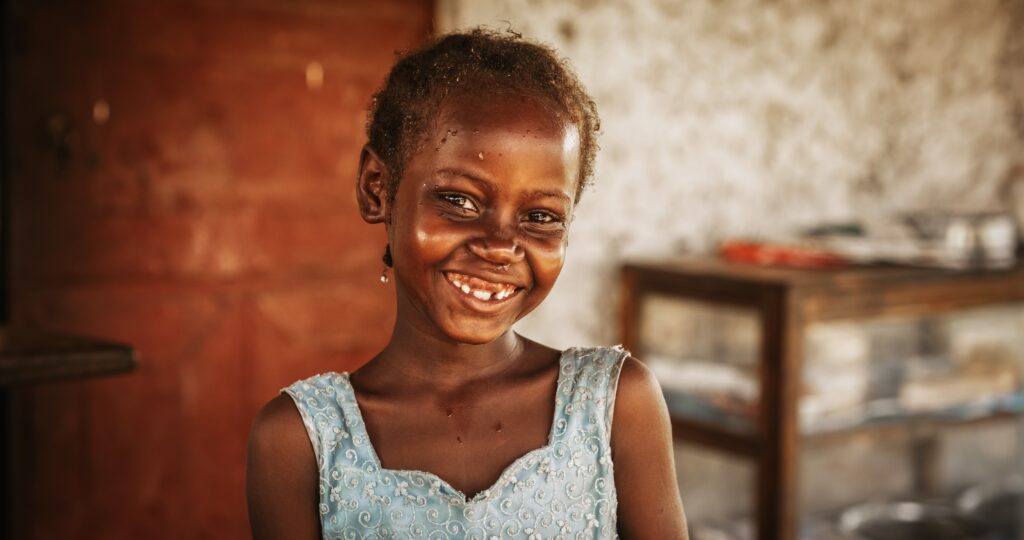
(487, 276)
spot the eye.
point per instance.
(461, 202)
(543, 217)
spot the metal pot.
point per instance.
(909, 520)
(960, 240)
(1000, 504)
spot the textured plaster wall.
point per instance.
(756, 117)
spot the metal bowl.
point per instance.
(909, 520)
(958, 239)
(1000, 504)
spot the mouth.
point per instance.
(481, 289)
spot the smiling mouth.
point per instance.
(487, 291)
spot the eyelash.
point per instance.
(459, 202)
(546, 218)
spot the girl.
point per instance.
(480, 145)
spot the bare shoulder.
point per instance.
(279, 423)
(278, 440)
(282, 480)
(639, 393)
(634, 371)
(642, 450)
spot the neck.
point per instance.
(424, 358)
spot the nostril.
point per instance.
(501, 253)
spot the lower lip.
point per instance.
(478, 304)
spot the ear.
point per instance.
(372, 186)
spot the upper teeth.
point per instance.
(461, 282)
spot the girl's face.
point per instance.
(479, 225)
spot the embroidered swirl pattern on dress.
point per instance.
(564, 490)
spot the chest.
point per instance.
(468, 441)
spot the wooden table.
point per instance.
(784, 302)
(32, 357)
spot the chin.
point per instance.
(465, 333)
(474, 340)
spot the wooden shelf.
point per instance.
(29, 357)
(785, 303)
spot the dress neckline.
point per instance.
(506, 473)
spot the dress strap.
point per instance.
(328, 408)
(585, 399)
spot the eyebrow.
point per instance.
(482, 183)
(554, 194)
(488, 186)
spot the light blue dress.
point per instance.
(564, 490)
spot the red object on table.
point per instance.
(765, 254)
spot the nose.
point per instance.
(497, 245)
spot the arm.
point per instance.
(645, 474)
(282, 480)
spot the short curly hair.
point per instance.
(478, 61)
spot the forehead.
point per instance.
(506, 137)
(502, 110)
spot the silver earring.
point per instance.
(388, 263)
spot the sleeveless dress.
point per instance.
(563, 490)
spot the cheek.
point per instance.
(425, 240)
(437, 235)
(548, 261)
